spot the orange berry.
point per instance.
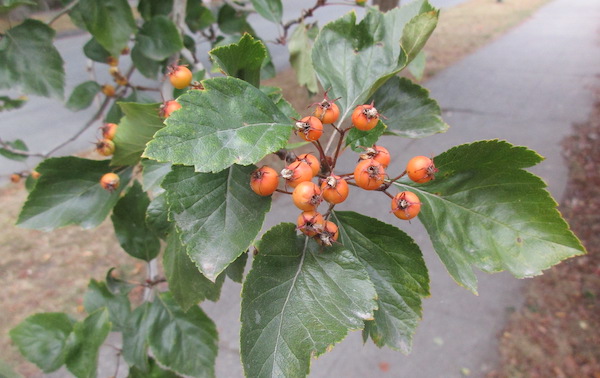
(307, 196)
(421, 169)
(105, 147)
(168, 107)
(335, 189)
(296, 172)
(377, 153)
(369, 174)
(365, 117)
(406, 205)
(264, 181)
(310, 223)
(109, 130)
(329, 234)
(309, 128)
(312, 161)
(110, 181)
(179, 76)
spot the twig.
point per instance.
(62, 12)
(15, 151)
(282, 40)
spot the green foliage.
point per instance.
(83, 95)
(242, 60)
(300, 47)
(7, 103)
(270, 9)
(18, 145)
(159, 38)
(85, 341)
(6, 5)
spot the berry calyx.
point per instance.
(377, 153)
(335, 189)
(296, 172)
(168, 107)
(110, 181)
(105, 147)
(329, 235)
(312, 161)
(369, 174)
(108, 90)
(179, 76)
(406, 205)
(309, 128)
(310, 223)
(421, 169)
(264, 181)
(307, 196)
(365, 117)
(109, 130)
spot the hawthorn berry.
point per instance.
(406, 205)
(168, 107)
(264, 181)
(312, 161)
(329, 234)
(15, 178)
(369, 174)
(105, 147)
(335, 189)
(307, 196)
(377, 153)
(179, 76)
(109, 130)
(309, 128)
(112, 61)
(35, 175)
(421, 169)
(365, 117)
(110, 181)
(296, 172)
(310, 223)
(327, 111)
(108, 90)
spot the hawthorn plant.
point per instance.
(185, 185)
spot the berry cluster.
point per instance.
(369, 173)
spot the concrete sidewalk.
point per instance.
(529, 87)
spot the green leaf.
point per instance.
(159, 38)
(409, 110)
(17, 145)
(6, 5)
(147, 66)
(42, 339)
(109, 21)
(116, 285)
(153, 174)
(198, 17)
(87, 338)
(272, 10)
(154, 371)
(229, 122)
(235, 271)
(396, 267)
(242, 60)
(7, 103)
(493, 214)
(188, 286)
(138, 126)
(151, 8)
(276, 95)
(358, 139)
(185, 342)
(354, 60)
(157, 216)
(93, 50)
(297, 301)
(6, 371)
(135, 337)
(217, 215)
(83, 95)
(231, 21)
(69, 192)
(417, 65)
(129, 221)
(300, 47)
(29, 59)
(98, 296)
(417, 32)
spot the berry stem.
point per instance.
(339, 145)
(398, 178)
(283, 191)
(323, 157)
(328, 212)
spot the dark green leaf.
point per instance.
(69, 192)
(235, 271)
(198, 17)
(188, 286)
(484, 210)
(135, 337)
(217, 215)
(356, 59)
(147, 67)
(138, 126)
(6, 5)
(88, 335)
(154, 371)
(185, 342)
(98, 296)
(300, 47)
(229, 122)
(242, 60)
(159, 38)
(272, 10)
(109, 21)
(396, 268)
(42, 339)
(233, 22)
(276, 95)
(408, 109)
(151, 8)
(358, 139)
(17, 145)
(93, 50)
(153, 174)
(157, 216)
(7, 103)
(116, 285)
(83, 95)
(297, 301)
(29, 59)
(129, 220)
